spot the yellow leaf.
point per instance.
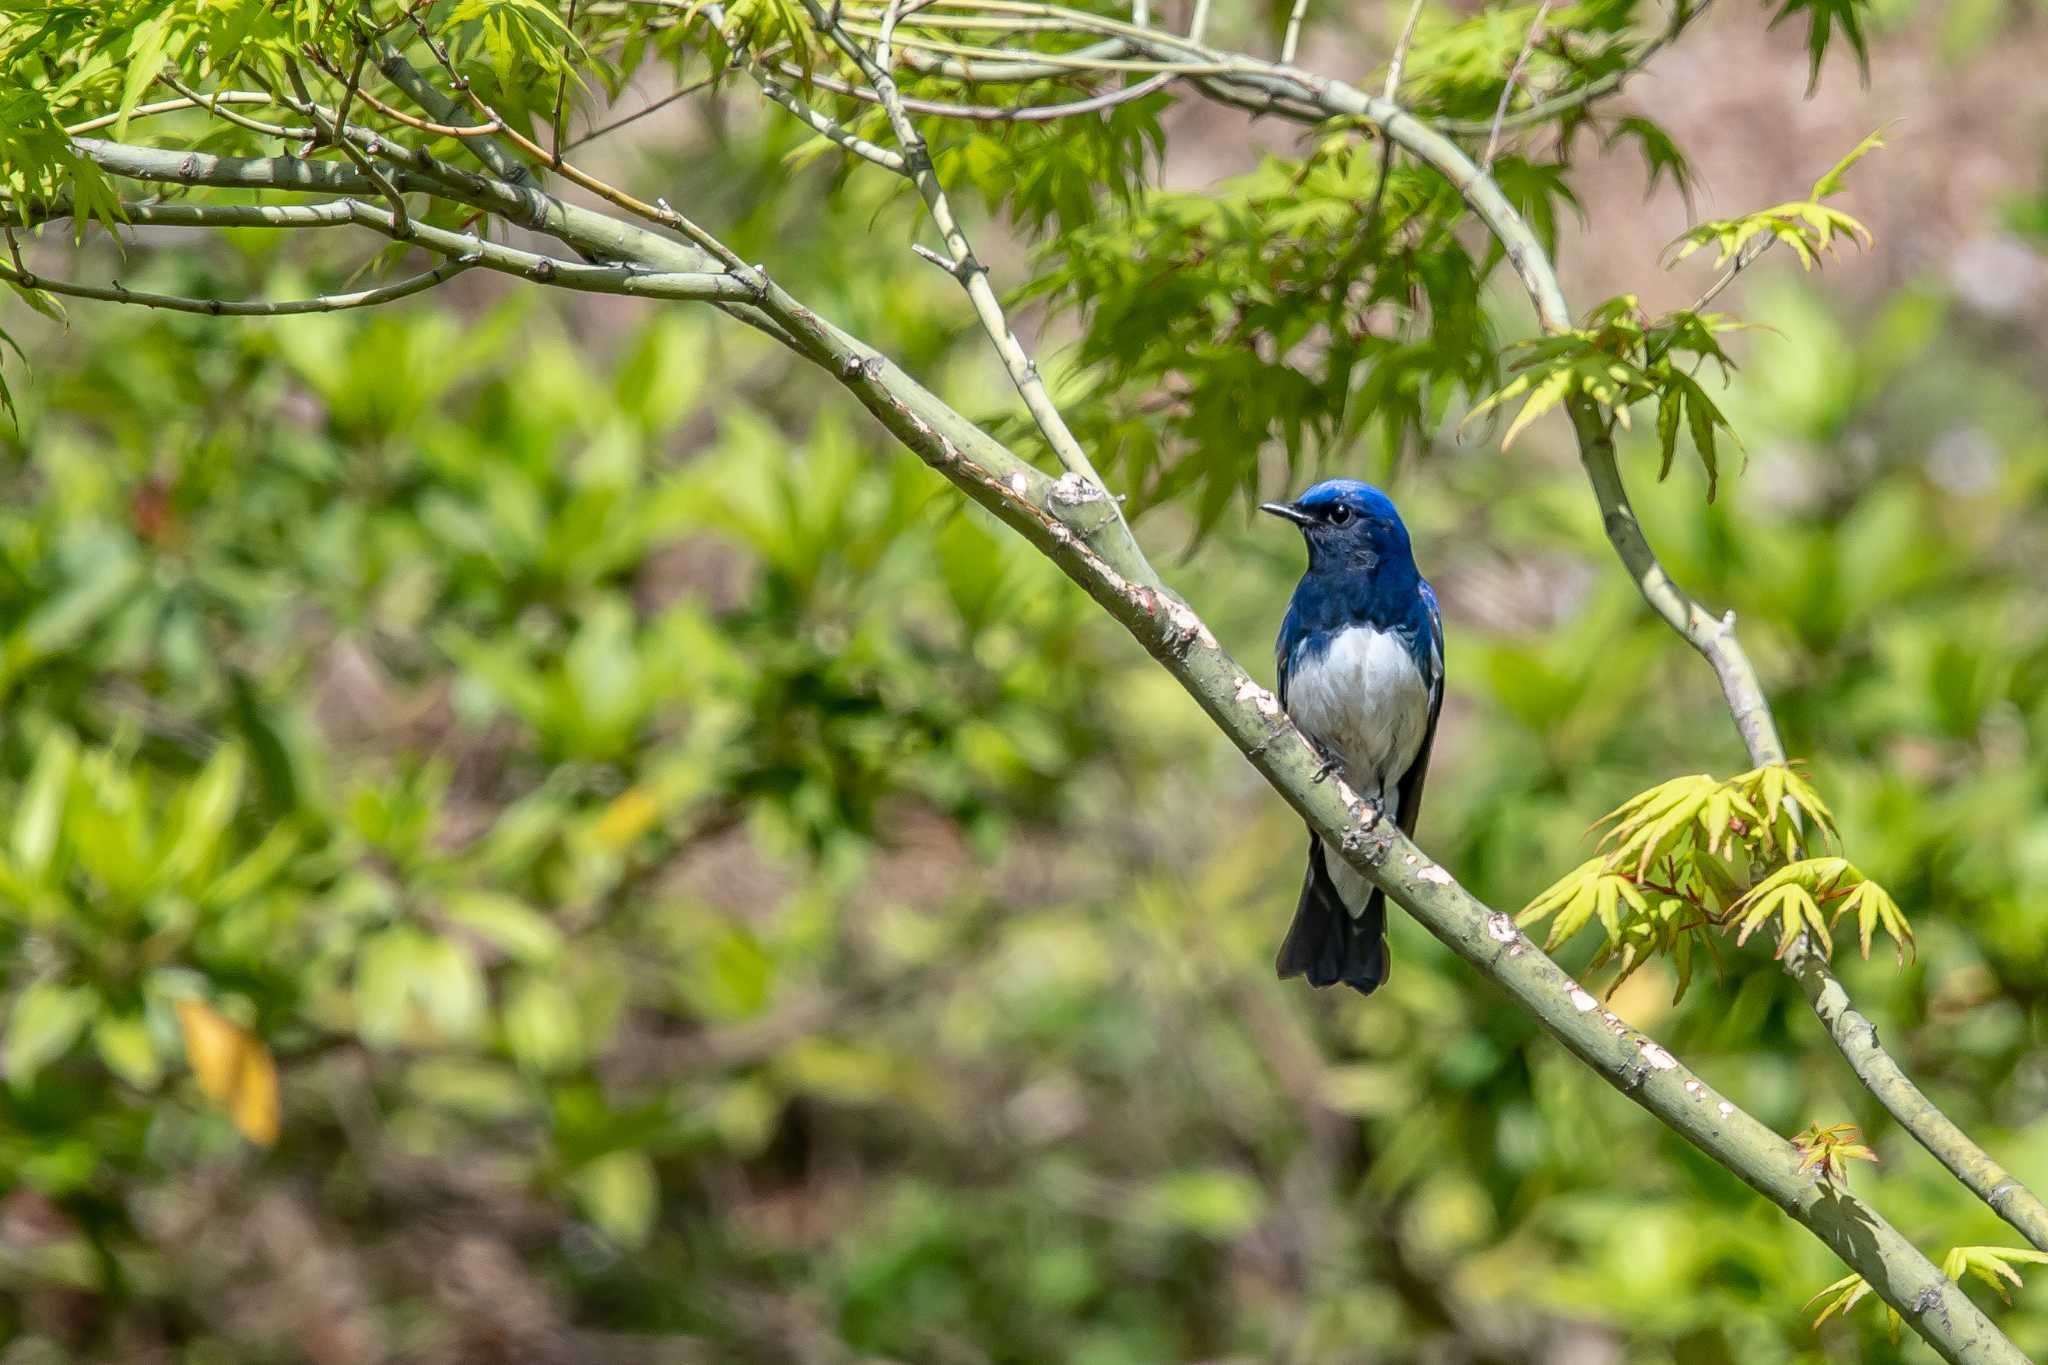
(625, 819)
(234, 1070)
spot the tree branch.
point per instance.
(992, 113)
(1291, 39)
(214, 104)
(462, 249)
(820, 124)
(1883, 1077)
(485, 148)
(239, 308)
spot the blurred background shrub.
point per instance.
(528, 836)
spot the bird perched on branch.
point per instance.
(1361, 659)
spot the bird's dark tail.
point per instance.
(1325, 943)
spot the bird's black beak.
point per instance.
(1287, 511)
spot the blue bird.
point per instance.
(1361, 660)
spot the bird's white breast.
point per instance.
(1364, 700)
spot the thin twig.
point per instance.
(1400, 58)
(355, 80)
(991, 113)
(1066, 61)
(413, 121)
(1744, 259)
(489, 150)
(1292, 38)
(972, 274)
(240, 308)
(190, 100)
(336, 134)
(1369, 232)
(1507, 92)
(562, 89)
(824, 125)
(214, 109)
(680, 92)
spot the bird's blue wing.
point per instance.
(1283, 651)
(1409, 806)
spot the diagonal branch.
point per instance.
(821, 124)
(1883, 1077)
(485, 148)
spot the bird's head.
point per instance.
(1349, 526)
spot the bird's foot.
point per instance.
(1331, 764)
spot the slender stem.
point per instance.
(654, 106)
(820, 123)
(488, 150)
(1393, 86)
(973, 275)
(355, 81)
(1019, 71)
(1066, 62)
(240, 308)
(1025, 68)
(335, 131)
(412, 121)
(1507, 91)
(1291, 40)
(562, 90)
(1918, 1115)
(1744, 259)
(989, 113)
(210, 103)
(1369, 229)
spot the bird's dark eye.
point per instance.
(1339, 514)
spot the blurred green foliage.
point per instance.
(699, 884)
(678, 886)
